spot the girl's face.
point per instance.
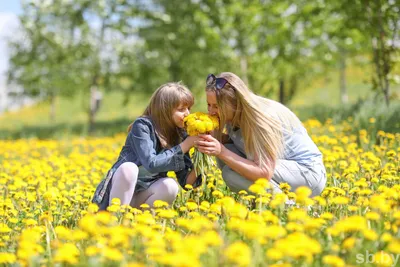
(179, 113)
(213, 108)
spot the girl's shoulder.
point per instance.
(144, 119)
(142, 122)
(183, 134)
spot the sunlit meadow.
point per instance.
(47, 219)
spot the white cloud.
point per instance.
(8, 26)
(8, 23)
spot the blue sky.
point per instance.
(9, 10)
(13, 6)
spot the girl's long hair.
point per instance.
(262, 121)
(162, 104)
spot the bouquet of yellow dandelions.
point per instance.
(201, 123)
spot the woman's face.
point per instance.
(213, 108)
(179, 113)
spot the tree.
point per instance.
(290, 33)
(68, 48)
(41, 60)
(379, 21)
(383, 24)
(337, 43)
(177, 41)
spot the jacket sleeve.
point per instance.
(142, 139)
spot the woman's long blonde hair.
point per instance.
(162, 103)
(262, 121)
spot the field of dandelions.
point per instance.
(47, 219)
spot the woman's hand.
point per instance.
(209, 145)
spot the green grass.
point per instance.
(319, 100)
(72, 110)
(326, 91)
(71, 117)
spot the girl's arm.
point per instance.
(142, 138)
(245, 167)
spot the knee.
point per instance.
(127, 173)
(226, 174)
(229, 177)
(320, 185)
(220, 164)
(170, 189)
(318, 189)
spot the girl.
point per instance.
(156, 144)
(264, 139)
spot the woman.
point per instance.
(156, 144)
(264, 139)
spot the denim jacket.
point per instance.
(143, 148)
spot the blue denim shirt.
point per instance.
(143, 148)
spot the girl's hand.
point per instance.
(209, 145)
(189, 143)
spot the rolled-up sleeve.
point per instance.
(142, 140)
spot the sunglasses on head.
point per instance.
(219, 83)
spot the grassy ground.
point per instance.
(113, 116)
(71, 116)
(326, 90)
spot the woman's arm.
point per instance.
(245, 167)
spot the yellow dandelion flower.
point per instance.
(333, 260)
(67, 253)
(394, 246)
(238, 253)
(349, 243)
(160, 204)
(7, 258)
(383, 259)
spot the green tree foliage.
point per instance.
(277, 47)
(378, 21)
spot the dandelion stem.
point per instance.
(48, 240)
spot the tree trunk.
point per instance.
(244, 68)
(174, 69)
(95, 100)
(386, 91)
(52, 108)
(92, 110)
(344, 98)
(381, 53)
(385, 57)
(282, 91)
(292, 88)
